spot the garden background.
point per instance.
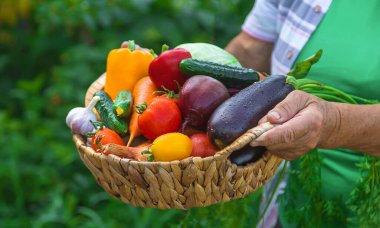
(50, 52)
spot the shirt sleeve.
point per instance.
(261, 21)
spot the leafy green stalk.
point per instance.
(302, 68)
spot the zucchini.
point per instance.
(231, 76)
(105, 110)
(122, 106)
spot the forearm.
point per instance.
(355, 127)
(251, 52)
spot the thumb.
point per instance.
(287, 108)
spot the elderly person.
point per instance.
(275, 35)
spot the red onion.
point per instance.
(198, 98)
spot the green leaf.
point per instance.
(301, 69)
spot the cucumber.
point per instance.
(105, 110)
(122, 106)
(210, 52)
(230, 76)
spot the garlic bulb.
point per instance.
(78, 119)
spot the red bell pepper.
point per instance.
(164, 70)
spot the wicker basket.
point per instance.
(192, 182)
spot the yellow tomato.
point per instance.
(171, 146)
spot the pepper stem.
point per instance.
(164, 48)
(153, 53)
(131, 45)
(141, 108)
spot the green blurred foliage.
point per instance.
(50, 52)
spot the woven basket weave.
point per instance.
(192, 182)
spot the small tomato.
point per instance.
(171, 146)
(202, 146)
(106, 136)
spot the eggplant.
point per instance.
(247, 155)
(243, 111)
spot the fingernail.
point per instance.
(275, 115)
(254, 143)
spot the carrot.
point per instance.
(126, 152)
(144, 91)
(262, 76)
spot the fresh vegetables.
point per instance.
(79, 119)
(230, 76)
(203, 101)
(164, 70)
(244, 110)
(247, 155)
(143, 92)
(171, 146)
(104, 136)
(125, 66)
(105, 109)
(160, 117)
(123, 104)
(210, 52)
(198, 98)
(202, 146)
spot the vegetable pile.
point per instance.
(192, 100)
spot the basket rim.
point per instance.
(80, 143)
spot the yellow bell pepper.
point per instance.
(124, 69)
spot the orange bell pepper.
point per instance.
(124, 68)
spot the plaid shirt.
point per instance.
(287, 23)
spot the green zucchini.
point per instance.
(105, 110)
(122, 106)
(230, 76)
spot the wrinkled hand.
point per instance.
(305, 121)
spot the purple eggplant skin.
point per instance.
(247, 155)
(198, 98)
(244, 110)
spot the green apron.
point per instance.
(350, 38)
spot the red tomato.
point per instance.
(202, 146)
(161, 116)
(107, 136)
